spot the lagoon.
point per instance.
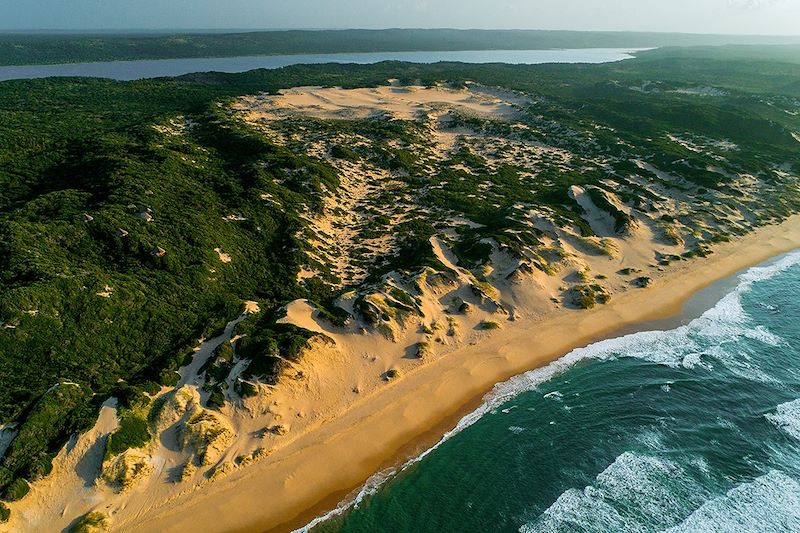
(142, 69)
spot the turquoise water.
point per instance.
(692, 429)
(155, 68)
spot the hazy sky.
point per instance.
(702, 16)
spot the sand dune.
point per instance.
(405, 103)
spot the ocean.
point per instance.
(695, 428)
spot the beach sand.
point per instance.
(319, 468)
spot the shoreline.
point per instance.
(694, 307)
(321, 468)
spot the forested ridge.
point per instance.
(48, 48)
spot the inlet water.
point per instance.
(140, 69)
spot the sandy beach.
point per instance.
(321, 467)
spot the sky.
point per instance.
(766, 17)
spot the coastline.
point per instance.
(320, 468)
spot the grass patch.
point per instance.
(16, 490)
(588, 296)
(90, 523)
(133, 432)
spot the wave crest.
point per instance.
(768, 503)
(787, 418)
(634, 493)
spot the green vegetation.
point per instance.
(622, 221)
(488, 325)
(133, 432)
(587, 296)
(91, 146)
(50, 420)
(216, 370)
(596, 246)
(5, 513)
(88, 312)
(93, 522)
(245, 389)
(269, 347)
(16, 490)
(340, 151)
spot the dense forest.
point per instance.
(31, 49)
(96, 200)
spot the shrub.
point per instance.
(472, 252)
(5, 513)
(422, 350)
(584, 301)
(344, 152)
(39, 468)
(16, 490)
(224, 351)
(90, 523)
(623, 222)
(587, 296)
(130, 397)
(132, 433)
(217, 399)
(50, 421)
(6, 476)
(335, 315)
(595, 246)
(245, 389)
(169, 378)
(151, 387)
(392, 373)
(488, 325)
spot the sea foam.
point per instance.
(787, 418)
(768, 503)
(637, 492)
